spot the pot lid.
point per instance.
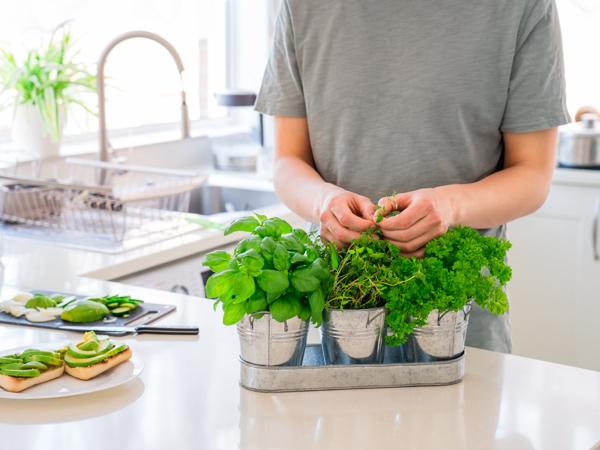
(589, 125)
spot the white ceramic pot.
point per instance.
(30, 134)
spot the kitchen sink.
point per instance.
(209, 199)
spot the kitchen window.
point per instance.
(218, 41)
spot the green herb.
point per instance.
(47, 79)
(458, 267)
(276, 269)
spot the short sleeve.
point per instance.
(281, 92)
(536, 94)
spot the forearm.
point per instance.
(300, 186)
(499, 198)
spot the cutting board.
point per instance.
(145, 313)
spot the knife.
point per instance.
(165, 329)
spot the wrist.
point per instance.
(452, 195)
(326, 192)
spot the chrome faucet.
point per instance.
(103, 139)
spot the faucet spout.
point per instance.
(101, 89)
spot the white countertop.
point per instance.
(188, 396)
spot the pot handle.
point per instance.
(586, 110)
(595, 232)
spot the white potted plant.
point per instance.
(41, 87)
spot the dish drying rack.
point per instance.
(132, 202)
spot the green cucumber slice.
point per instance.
(23, 373)
(120, 310)
(73, 361)
(78, 352)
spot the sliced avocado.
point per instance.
(10, 359)
(30, 352)
(78, 352)
(89, 345)
(24, 373)
(48, 360)
(86, 362)
(40, 301)
(84, 311)
(35, 365)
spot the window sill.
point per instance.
(124, 139)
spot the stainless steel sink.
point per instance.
(209, 199)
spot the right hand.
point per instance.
(344, 215)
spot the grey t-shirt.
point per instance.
(405, 94)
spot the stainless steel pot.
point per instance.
(266, 342)
(353, 336)
(579, 143)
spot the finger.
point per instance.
(366, 208)
(339, 232)
(407, 218)
(348, 219)
(418, 242)
(326, 236)
(386, 205)
(418, 254)
(423, 226)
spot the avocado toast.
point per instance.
(28, 368)
(92, 356)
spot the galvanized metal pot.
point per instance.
(353, 336)
(266, 342)
(443, 337)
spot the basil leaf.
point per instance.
(248, 224)
(251, 262)
(273, 281)
(281, 258)
(302, 236)
(304, 312)
(292, 243)
(317, 304)
(257, 302)
(217, 261)
(304, 281)
(267, 247)
(233, 313)
(261, 218)
(298, 258)
(279, 225)
(220, 284)
(281, 310)
(243, 287)
(250, 242)
(272, 296)
(319, 269)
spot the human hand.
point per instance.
(344, 215)
(424, 215)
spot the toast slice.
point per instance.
(89, 372)
(19, 384)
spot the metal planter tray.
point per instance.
(314, 375)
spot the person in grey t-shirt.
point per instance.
(454, 104)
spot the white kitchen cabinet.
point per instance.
(555, 291)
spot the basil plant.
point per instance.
(276, 269)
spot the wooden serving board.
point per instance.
(145, 313)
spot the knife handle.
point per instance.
(165, 329)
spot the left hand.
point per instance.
(424, 215)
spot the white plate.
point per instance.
(67, 386)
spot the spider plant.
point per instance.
(48, 79)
